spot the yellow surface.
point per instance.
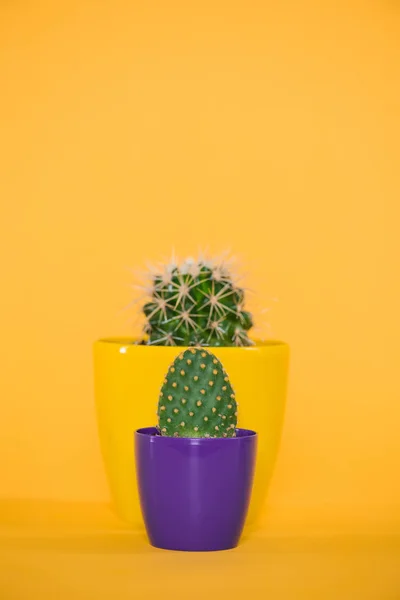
(128, 380)
(69, 551)
(270, 127)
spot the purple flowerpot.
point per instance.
(194, 492)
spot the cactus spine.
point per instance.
(196, 303)
(197, 399)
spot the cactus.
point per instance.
(196, 303)
(197, 399)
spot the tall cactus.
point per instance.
(196, 303)
(197, 399)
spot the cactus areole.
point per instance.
(196, 303)
(196, 398)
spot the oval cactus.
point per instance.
(196, 303)
(197, 398)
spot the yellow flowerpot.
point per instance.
(128, 378)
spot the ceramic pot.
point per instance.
(128, 378)
(194, 492)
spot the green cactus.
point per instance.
(197, 399)
(196, 303)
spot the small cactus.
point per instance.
(196, 303)
(197, 399)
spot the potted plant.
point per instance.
(193, 303)
(195, 469)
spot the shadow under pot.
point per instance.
(194, 492)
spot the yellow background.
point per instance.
(271, 128)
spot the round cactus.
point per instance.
(196, 303)
(197, 399)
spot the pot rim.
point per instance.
(131, 341)
(149, 432)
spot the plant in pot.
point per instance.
(195, 469)
(196, 303)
